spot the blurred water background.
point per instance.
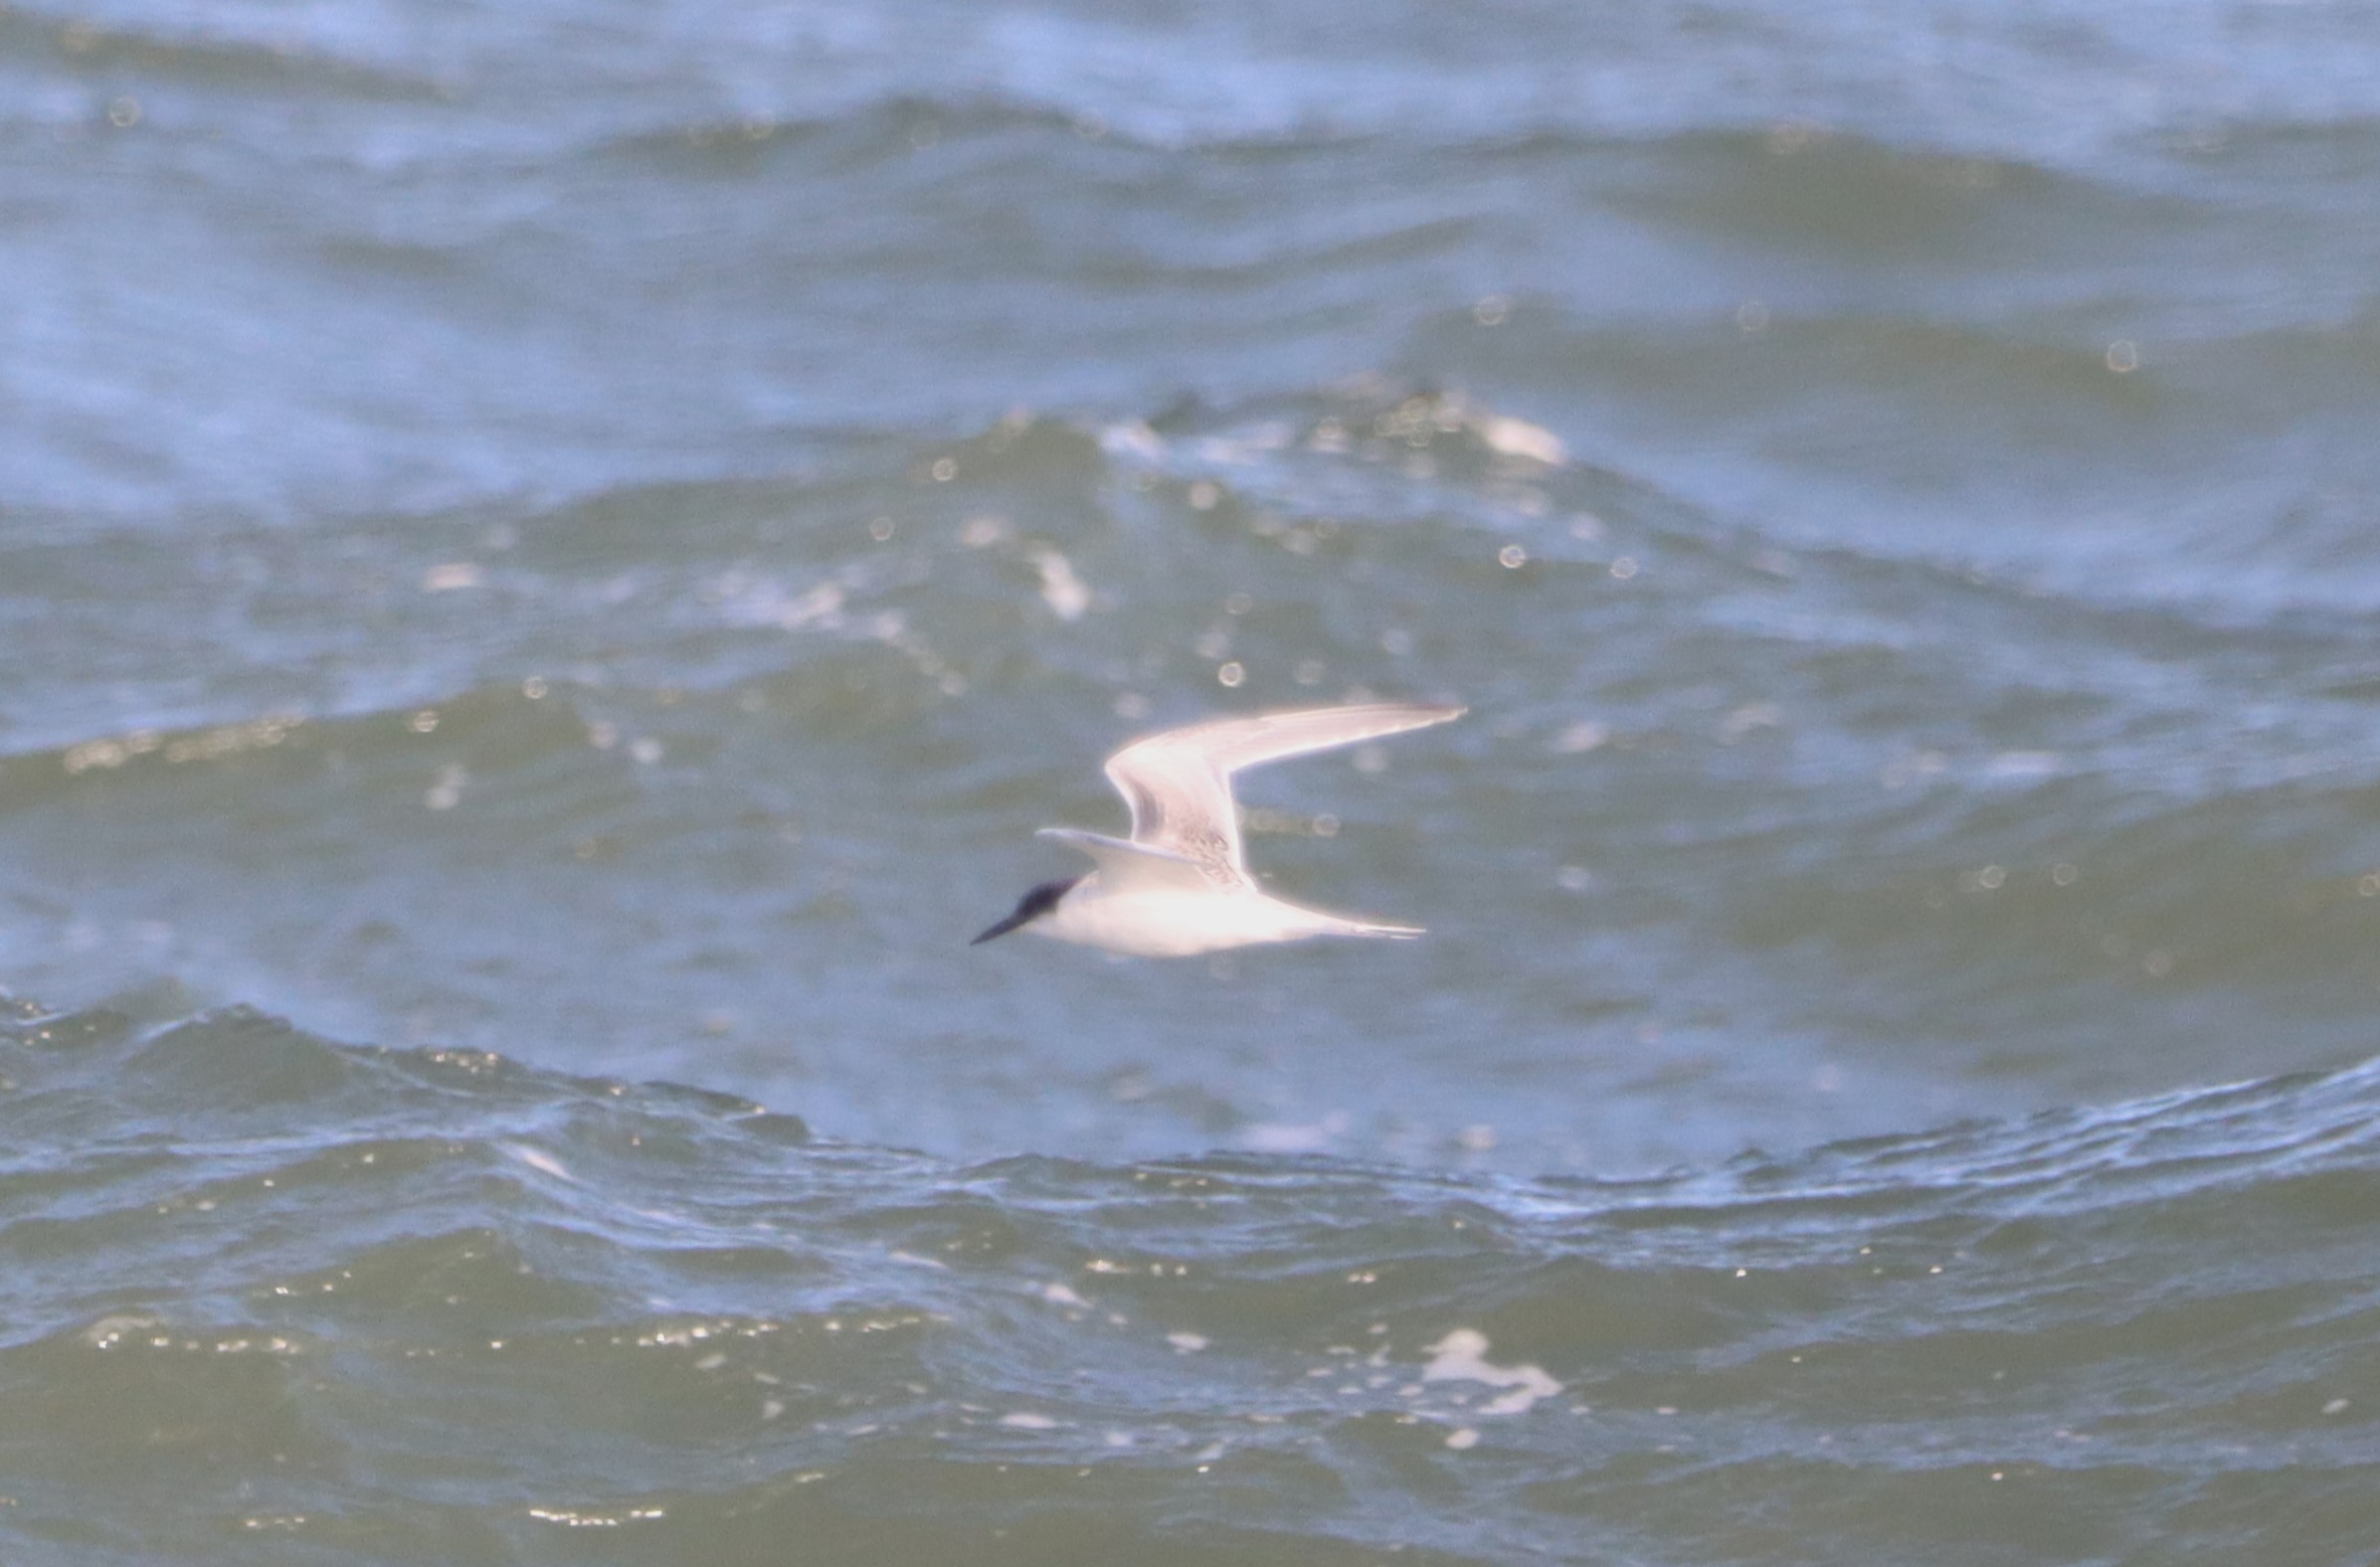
(553, 554)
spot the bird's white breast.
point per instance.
(1169, 923)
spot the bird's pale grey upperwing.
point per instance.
(1178, 781)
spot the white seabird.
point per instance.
(1181, 885)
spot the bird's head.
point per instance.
(1030, 907)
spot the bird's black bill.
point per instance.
(1003, 929)
(1029, 908)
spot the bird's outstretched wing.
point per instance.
(1179, 782)
(1123, 864)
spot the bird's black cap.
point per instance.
(1029, 908)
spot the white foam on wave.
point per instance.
(1462, 1357)
(1518, 437)
(1067, 595)
(1027, 1420)
(538, 1159)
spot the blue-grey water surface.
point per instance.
(552, 555)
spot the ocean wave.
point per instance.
(239, 1251)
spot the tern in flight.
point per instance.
(1182, 886)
